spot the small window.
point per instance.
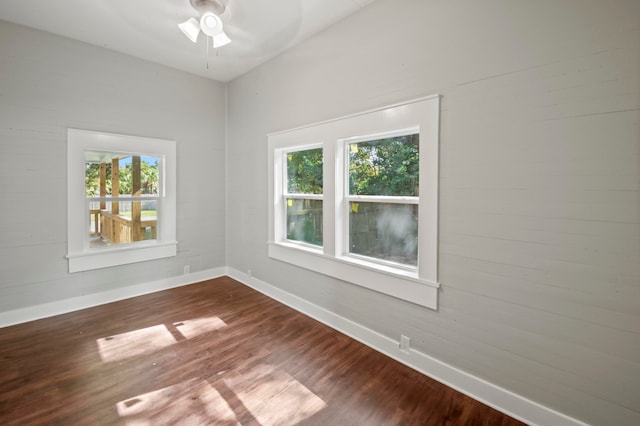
(303, 196)
(121, 199)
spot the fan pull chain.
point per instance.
(208, 53)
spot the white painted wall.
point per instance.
(49, 83)
(540, 185)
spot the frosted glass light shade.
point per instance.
(220, 40)
(190, 28)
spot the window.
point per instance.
(303, 195)
(121, 199)
(382, 197)
(356, 198)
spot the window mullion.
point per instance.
(304, 196)
(383, 199)
(124, 198)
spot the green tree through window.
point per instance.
(304, 203)
(304, 172)
(148, 177)
(384, 166)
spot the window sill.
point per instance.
(398, 283)
(104, 258)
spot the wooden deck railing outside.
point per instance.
(117, 229)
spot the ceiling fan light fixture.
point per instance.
(220, 40)
(210, 24)
(190, 28)
(210, 21)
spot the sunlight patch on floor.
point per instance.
(191, 402)
(195, 327)
(263, 395)
(149, 339)
(273, 396)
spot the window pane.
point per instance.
(149, 179)
(386, 166)
(304, 221)
(116, 223)
(99, 178)
(385, 231)
(304, 172)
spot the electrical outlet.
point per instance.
(405, 343)
(187, 269)
(249, 273)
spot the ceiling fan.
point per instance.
(209, 22)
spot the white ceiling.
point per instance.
(147, 29)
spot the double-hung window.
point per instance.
(356, 198)
(121, 199)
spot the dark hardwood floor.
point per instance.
(216, 352)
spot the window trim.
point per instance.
(419, 285)
(80, 256)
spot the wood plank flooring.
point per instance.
(216, 352)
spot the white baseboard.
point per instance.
(46, 310)
(494, 396)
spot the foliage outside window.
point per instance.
(387, 166)
(148, 169)
(304, 196)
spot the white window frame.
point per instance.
(417, 285)
(81, 256)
